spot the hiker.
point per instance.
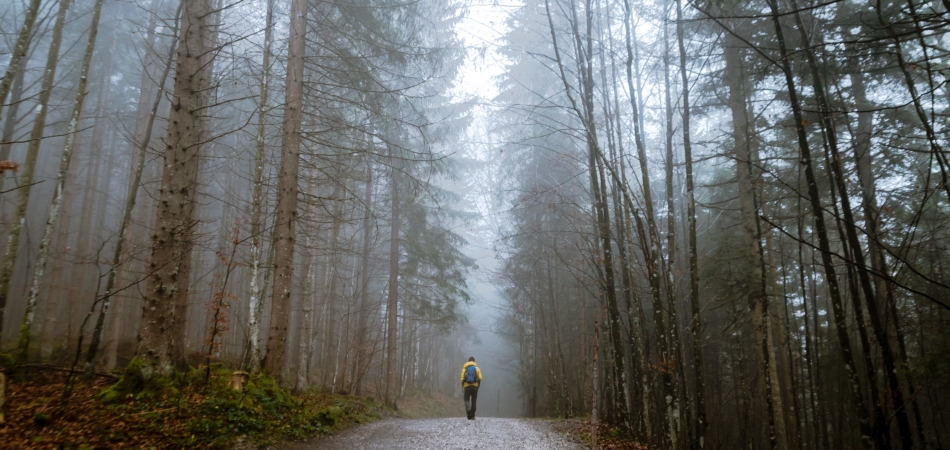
(471, 379)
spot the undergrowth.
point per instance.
(179, 411)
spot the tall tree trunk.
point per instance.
(755, 280)
(8, 264)
(639, 353)
(596, 392)
(306, 332)
(392, 302)
(695, 326)
(333, 273)
(54, 300)
(173, 237)
(286, 219)
(20, 51)
(143, 119)
(586, 114)
(819, 424)
(883, 286)
(124, 232)
(363, 313)
(53, 215)
(880, 332)
(650, 245)
(252, 359)
(9, 123)
(844, 341)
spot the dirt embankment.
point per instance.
(429, 406)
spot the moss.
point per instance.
(214, 415)
(329, 416)
(6, 361)
(131, 383)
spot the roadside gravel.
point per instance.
(447, 434)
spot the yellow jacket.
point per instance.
(477, 371)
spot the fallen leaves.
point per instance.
(199, 415)
(607, 436)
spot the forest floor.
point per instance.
(178, 413)
(607, 436)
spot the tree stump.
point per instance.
(238, 380)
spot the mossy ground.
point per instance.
(174, 412)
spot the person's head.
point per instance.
(471, 359)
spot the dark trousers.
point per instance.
(471, 394)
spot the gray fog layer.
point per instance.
(446, 434)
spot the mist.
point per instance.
(671, 224)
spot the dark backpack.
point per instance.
(471, 374)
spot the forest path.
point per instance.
(449, 434)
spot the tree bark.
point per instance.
(333, 296)
(53, 215)
(392, 302)
(883, 286)
(124, 233)
(20, 51)
(252, 358)
(159, 336)
(8, 264)
(755, 279)
(695, 322)
(844, 341)
(363, 313)
(286, 218)
(880, 332)
(127, 236)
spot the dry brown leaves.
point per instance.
(35, 419)
(607, 439)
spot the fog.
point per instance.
(706, 223)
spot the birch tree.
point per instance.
(8, 264)
(53, 216)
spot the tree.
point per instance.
(166, 290)
(286, 214)
(38, 271)
(8, 264)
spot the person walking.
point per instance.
(471, 379)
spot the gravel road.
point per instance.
(447, 434)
